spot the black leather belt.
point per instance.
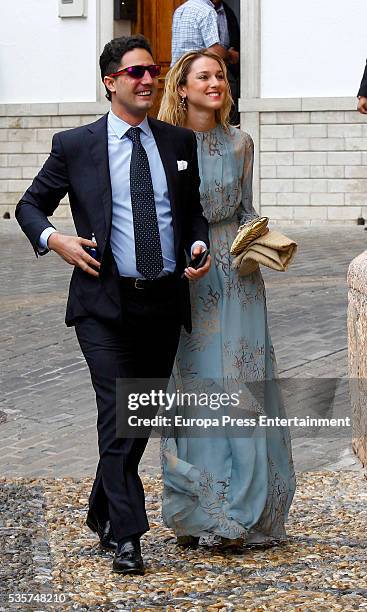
(143, 283)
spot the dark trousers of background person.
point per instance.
(144, 345)
(234, 83)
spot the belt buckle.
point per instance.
(136, 284)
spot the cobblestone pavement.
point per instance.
(321, 567)
(45, 549)
(46, 391)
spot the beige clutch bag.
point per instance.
(247, 233)
(273, 250)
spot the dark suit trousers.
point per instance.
(234, 84)
(143, 345)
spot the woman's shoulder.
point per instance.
(240, 137)
(240, 141)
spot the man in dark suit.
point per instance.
(362, 94)
(133, 186)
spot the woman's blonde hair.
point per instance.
(172, 109)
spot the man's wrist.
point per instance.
(44, 237)
(51, 239)
(198, 243)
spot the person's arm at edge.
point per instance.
(362, 94)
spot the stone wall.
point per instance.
(25, 142)
(313, 165)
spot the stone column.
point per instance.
(357, 335)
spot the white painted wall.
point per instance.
(312, 48)
(44, 58)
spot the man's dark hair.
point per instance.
(114, 50)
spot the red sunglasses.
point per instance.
(137, 72)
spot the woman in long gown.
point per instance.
(237, 489)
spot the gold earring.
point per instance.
(182, 104)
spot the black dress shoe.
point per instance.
(104, 531)
(128, 559)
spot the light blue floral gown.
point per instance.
(231, 487)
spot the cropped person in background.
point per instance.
(362, 94)
(229, 34)
(207, 24)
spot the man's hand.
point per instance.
(362, 105)
(70, 248)
(233, 57)
(193, 274)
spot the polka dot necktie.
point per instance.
(148, 251)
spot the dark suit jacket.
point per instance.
(234, 37)
(78, 165)
(363, 87)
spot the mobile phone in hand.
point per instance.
(198, 261)
(92, 251)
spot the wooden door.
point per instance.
(154, 20)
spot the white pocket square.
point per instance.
(181, 164)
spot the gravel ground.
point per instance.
(47, 550)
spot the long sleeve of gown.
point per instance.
(246, 209)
